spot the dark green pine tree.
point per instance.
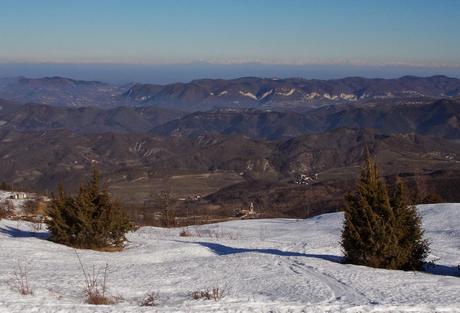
(60, 215)
(89, 220)
(380, 232)
(413, 248)
(368, 236)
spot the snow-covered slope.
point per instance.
(279, 265)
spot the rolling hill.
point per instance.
(247, 92)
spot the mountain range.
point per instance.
(232, 142)
(206, 94)
(38, 117)
(437, 118)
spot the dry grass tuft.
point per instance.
(150, 299)
(185, 233)
(21, 279)
(95, 285)
(208, 294)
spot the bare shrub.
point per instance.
(37, 225)
(215, 294)
(6, 208)
(30, 206)
(215, 234)
(3, 212)
(185, 233)
(165, 202)
(95, 285)
(150, 299)
(432, 198)
(21, 279)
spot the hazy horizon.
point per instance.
(165, 41)
(170, 73)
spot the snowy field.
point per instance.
(279, 265)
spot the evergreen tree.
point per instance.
(89, 220)
(378, 232)
(368, 238)
(61, 218)
(414, 249)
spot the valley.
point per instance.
(230, 158)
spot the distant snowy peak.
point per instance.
(260, 96)
(248, 94)
(286, 94)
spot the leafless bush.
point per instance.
(216, 234)
(21, 279)
(30, 206)
(95, 285)
(37, 225)
(208, 294)
(6, 208)
(149, 299)
(185, 233)
(165, 203)
(3, 212)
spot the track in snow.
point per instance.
(339, 290)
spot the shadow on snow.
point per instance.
(219, 249)
(441, 269)
(226, 250)
(19, 233)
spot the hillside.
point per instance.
(293, 93)
(245, 92)
(42, 117)
(437, 118)
(59, 91)
(230, 171)
(261, 265)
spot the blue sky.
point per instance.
(164, 41)
(411, 32)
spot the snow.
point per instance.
(277, 265)
(287, 94)
(346, 96)
(328, 96)
(18, 204)
(248, 94)
(312, 95)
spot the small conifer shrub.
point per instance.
(90, 220)
(380, 231)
